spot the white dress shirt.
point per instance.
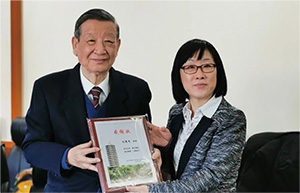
(189, 124)
(87, 86)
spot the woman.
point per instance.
(203, 144)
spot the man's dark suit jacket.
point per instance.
(56, 120)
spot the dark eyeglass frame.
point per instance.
(205, 68)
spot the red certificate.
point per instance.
(125, 151)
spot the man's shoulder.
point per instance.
(126, 77)
(60, 75)
(56, 80)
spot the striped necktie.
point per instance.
(95, 91)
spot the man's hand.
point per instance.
(77, 156)
(160, 136)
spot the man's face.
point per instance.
(97, 46)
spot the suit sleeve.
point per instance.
(146, 102)
(39, 149)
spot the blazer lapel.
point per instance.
(176, 126)
(191, 144)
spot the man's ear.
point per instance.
(74, 45)
(118, 45)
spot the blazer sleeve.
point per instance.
(221, 161)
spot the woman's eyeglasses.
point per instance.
(205, 68)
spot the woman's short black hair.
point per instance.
(187, 51)
(98, 14)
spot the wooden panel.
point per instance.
(8, 145)
(16, 58)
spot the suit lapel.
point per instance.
(117, 95)
(191, 143)
(74, 105)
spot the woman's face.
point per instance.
(200, 86)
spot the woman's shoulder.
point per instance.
(227, 111)
(176, 109)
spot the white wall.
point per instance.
(257, 40)
(5, 71)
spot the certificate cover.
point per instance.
(125, 151)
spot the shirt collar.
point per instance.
(208, 109)
(87, 85)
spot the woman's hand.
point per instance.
(160, 136)
(156, 156)
(141, 189)
(77, 156)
